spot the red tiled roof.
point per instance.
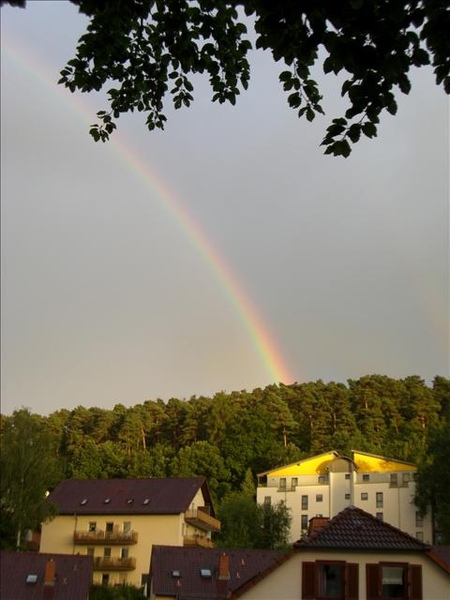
(72, 580)
(176, 571)
(152, 496)
(355, 529)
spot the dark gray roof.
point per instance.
(152, 496)
(354, 529)
(73, 576)
(176, 571)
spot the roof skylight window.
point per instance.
(146, 501)
(176, 574)
(84, 501)
(206, 573)
(106, 500)
(31, 578)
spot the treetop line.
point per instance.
(145, 51)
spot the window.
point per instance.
(366, 477)
(304, 502)
(107, 552)
(109, 527)
(124, 553)
(304, 522)
(406, 478)
(294, 482)
(283, 483)
(326, 580)
(393, 480)
(323, 479)
(379, 516)
(347, 496)
(347, 476)
(379, 499)
(92, 526)
(419, 519)
(330, 581)
(394, 580)
(90, 551)
(364, 496)
(267, 500)
(319, 498)
(144, 579)
(419, 536)
(127, 527)
(105, 578)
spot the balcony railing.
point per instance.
(101, 537)
(202, 520)
(109, 563)
(197, 540)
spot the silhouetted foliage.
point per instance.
(148, 51)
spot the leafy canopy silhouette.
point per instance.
(146, 51)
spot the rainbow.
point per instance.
(262, 340)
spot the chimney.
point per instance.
(49, 579)
(224, 567)
(50, 567)
(316, 523)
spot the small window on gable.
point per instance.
(294, 482)
(322, 479)
(366, 477)
(282, 483)
(393, 480)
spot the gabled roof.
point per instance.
(324, 456)
(441, 556)
(355, 529)
(151, 496)
(72, 576)
(194, 572)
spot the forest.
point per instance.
(228, 438)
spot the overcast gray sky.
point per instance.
(154, 266)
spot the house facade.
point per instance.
(353, 556)
(117, 521)
(325, 484)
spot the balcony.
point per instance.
(108, 563)
(123, 538)
(200, 519)
(197, 541)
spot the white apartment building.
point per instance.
(325, 484)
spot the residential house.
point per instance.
(325, 484)
(209, 573)
(353, 556)
(117, 521)
(37, 576)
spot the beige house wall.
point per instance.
(58, 537)
(285, 582)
